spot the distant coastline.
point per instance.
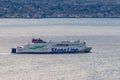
(59, 9)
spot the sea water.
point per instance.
(102, 34)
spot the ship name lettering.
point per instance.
(64, 50)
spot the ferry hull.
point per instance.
(87, 50)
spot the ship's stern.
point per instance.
(13, 50)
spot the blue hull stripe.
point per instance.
(50, 52)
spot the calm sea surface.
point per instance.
(102, 34)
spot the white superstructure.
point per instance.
(40, 46)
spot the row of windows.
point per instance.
(64, 45)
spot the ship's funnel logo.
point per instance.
(37, 47)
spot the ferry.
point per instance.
(39, 46)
